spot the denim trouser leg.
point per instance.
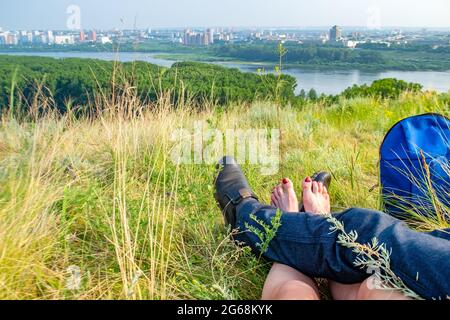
(304, 241)
(441, 234)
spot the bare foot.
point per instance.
(284, 197)
(315, 197)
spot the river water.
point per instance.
(328, 82)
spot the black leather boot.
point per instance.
(231, 189)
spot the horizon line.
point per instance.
(237, 27)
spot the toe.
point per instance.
(274, 194)
(321, 187)
(273, 198)
(287, 184)
(307, 184)
(274, 201)
(279, 191)
(315, 187)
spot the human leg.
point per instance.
(304, 241)
(286, 283)
(364, 291)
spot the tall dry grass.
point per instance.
(102, 195)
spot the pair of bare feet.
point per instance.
(315, 197)
(286, 283)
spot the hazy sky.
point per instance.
(105, 14)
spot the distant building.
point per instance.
(93, 36)
(64, 39)
(40, 38)
(210, 33)
(325, 37)
(50, 37)
(187, 37)
(82, 36)
(11, 39)
(191, 38)
(351, 43)
(25, 38)
(199, 39)
(335, 34)
(105, 40)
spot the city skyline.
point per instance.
(336, 36)
(141, 14)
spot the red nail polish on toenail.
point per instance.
(308, 179)
(285, 181)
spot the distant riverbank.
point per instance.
(305, 57)
(322, 80)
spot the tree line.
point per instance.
(300, 54)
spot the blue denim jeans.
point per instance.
(304, 241)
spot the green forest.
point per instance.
(81, 80)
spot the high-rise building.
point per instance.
(335, 34)
(82, 36)
(205, 39)
(191, 38)
(12, 39)
(187, 37)
(26, 37)
(50, 37)
(39, 38)
(210, 36)
(199, 39)
(93, 36)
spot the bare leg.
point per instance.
(363, 291)
(283, 282)
(286, 283)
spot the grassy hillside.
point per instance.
(100, 199)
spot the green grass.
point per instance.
(104, 195)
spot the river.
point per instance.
(328, 82)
